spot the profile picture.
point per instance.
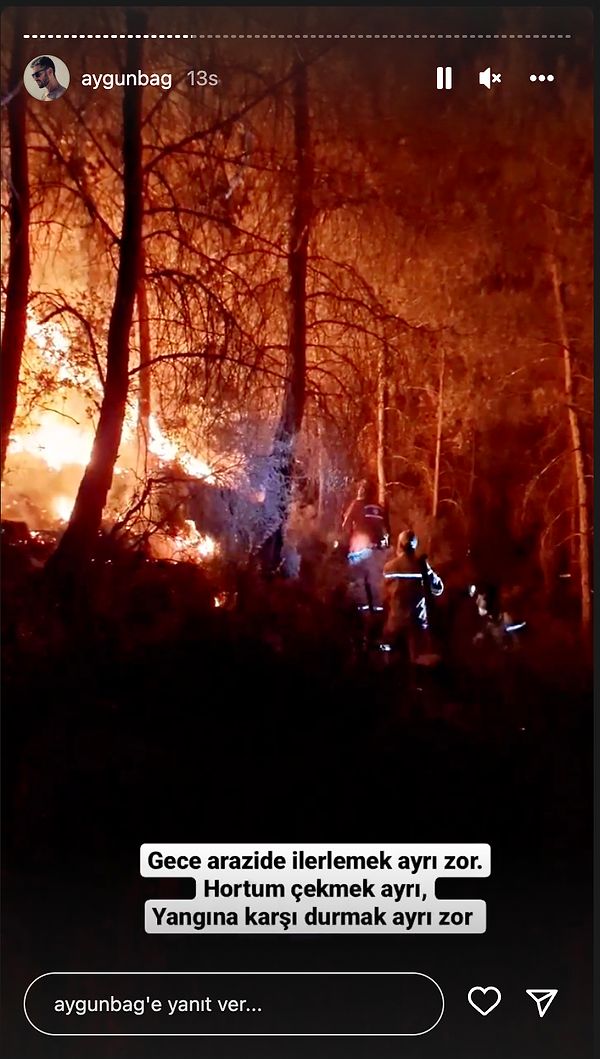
(46, 77)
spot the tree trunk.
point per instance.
(80, 537)
(322, 469)
(17, 288)
(438, 439)
(144, 382)
(470, 506)
(582, 522)
(382, 402)
(279, 488)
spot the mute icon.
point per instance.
(489, 78)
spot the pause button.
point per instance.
(444, 77)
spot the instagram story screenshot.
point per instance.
(297, 531)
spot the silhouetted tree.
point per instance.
(80, 537)
(17, 290)
(279, 486)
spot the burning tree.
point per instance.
(80, 536)
(308, 286)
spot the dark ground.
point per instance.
(139, 713)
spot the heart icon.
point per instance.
(488, 998)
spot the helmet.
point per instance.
(407, 541)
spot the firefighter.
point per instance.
(409, 584)
(366, 531)
(496, 622)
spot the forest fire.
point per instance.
(188, 545)
(297, 456)
(236, 372)
(52, 342)
(167, 450)
(52, 444)
(62, 507)
(56, 442)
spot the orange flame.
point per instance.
(189, 545)
(58, 442)
(62, 438)
(168, 451)
(62, 507)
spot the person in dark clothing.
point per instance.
(366, 518)
(365, 529)
(409, 581)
